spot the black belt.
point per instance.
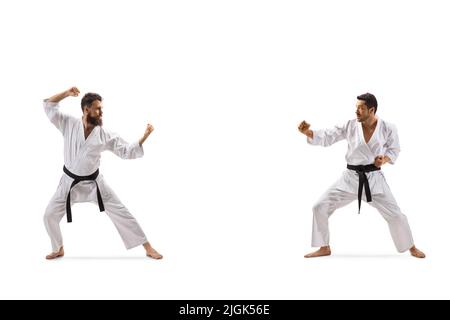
(363, 182)
(76, 180)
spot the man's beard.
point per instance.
(361, 118)
(94, 121)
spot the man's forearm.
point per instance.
(309, 134)
(147, 132)
(142, 140)
(58, 97)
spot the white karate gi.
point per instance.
(82, 157)
(384, 141)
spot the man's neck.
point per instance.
(88, 127)
(370, 123)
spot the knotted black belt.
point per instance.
(363, 182)
(76, 180)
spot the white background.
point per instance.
(227, 183)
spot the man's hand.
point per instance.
(303, 127)
(72, 92)
(380, 160)
(147, 132)
(149, 129)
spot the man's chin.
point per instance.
(95, 122)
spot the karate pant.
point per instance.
(127, 226)
(385, 203)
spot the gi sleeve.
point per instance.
(392, 144)
(55, 116)
(328, 137)
(121, 148)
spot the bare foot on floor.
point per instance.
(416, 252)
(55, 255)
(323, 251)
(152, 253)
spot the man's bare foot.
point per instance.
(416, 252)
(323, 251)
(152, 253)
(55, 255)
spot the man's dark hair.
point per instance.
(370, 100)
(88, 99)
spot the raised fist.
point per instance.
(149, 129)
(73, 92)
(303, 127)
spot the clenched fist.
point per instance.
(303, 127)
(149, 129)
(380, 160)
(147, 132)
(72, 92)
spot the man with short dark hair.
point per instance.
(372, 143)
(84, 140)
